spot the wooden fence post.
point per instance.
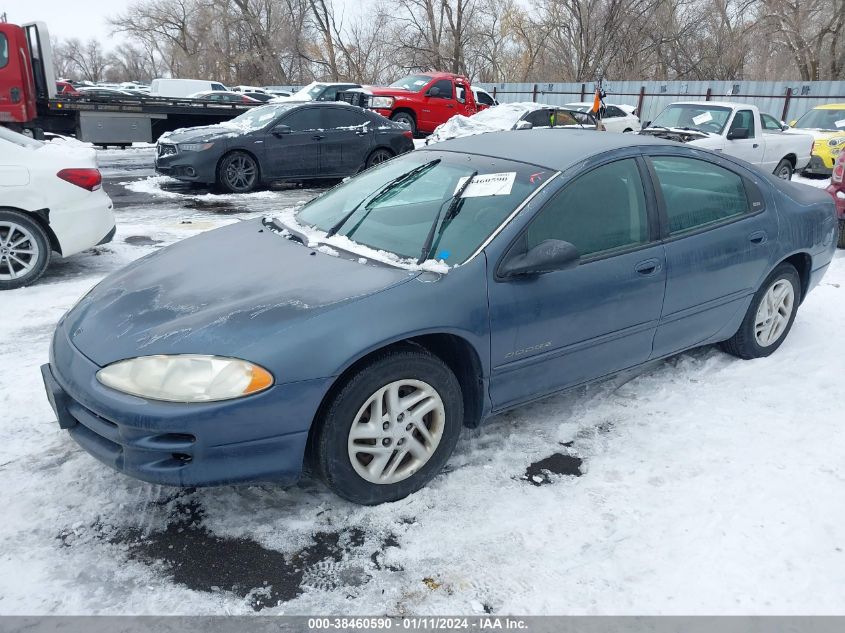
(709, 94)
(640, 102)
(583, 91)
(534, 93)
(786, 104)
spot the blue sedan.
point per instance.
(360, 332)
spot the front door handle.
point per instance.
(318, 137)
(755, 146)
(648, 267)
(758, 237)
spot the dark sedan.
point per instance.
(366, 328)
(285, 141)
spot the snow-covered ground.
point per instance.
(707, 484)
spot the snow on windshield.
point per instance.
(497, 118)
(256, 118)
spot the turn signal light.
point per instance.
(838, 172)
(89, 179)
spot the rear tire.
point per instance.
(784, 170)
(841, 242)
(25, 250)
(238, 172)
(407, 119)
(378, 156)
(770, 315)
(376, 443)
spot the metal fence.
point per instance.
(786, 100)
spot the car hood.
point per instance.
(819, 135)
(232, 292)
(200, 134)
(384, 91)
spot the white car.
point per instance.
(483, 98)
(51, 200)
(617, 118)
(318, 91)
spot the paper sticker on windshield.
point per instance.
(419, 82)
(488, 185)
(839, 123)
(704, 117)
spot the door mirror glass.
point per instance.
(281, 129)
(524, 125)
(548, 256)
(738, 133)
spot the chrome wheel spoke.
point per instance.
(774, 312)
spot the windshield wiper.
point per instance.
(372, 199)
(451, 212)
(652, 126)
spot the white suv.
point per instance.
(51, 200)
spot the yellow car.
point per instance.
(827, 125)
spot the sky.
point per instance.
(67, 18)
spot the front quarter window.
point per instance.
(381, 210)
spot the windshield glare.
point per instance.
(696, 117)
(414, 83)
(258, 118)
(822, 119)
(399, 218)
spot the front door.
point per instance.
(751, 148)
(295, 154)
(438, 108)
(563, 328)
(718, 233)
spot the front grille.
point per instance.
(165, 149)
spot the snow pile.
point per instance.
(495, 119)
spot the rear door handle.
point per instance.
(758, 237)
(318, 137)
(648, 267)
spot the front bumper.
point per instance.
(838, 194)
(257, 438)
(818, 166)
(198, 167)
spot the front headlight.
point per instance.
(186, 378)
(194, 147)
(836, 141)
(385, 103)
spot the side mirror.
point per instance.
(524, 125)
(738, 133)
(280, 130)
(434, 91)
(548, 256)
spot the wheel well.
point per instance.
(803, 264)
(381, 148)
(453, 350)
(792, 159)
(406, 111)
(42, 216)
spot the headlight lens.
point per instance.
(836, 141)
(194, 147)
(381, 102)
(186, 378)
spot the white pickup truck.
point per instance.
(738, 129)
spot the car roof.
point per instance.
(830, 106)
(555, 148)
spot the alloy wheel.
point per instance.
(240, 173)
(18, 251)
(396, 431)
(785, 173)
(774, 312)
(380, 156)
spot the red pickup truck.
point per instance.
(424, 101)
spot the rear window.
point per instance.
(4, 51)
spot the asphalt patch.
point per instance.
(193, 556)
(539, 473)
(215, 206)
(142, 240)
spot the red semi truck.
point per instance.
(29, 102)
(422, 101)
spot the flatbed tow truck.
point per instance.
(29, 102)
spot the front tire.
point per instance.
(24, 250)
(784, 170)
(238, 172)
(770, 315)
(406, 118)
(390, 428)
(378, 156)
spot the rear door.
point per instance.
(347, 140)
(295, 154)
(717, 235)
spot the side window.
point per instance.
(445, 87)
(485, 99)
(603, 210)
(698, 193)
(540, 118)
(460, 93)
(335, 118)
(329, 94)
(744, 118)
(770, 123)
(304, 120)
(613, 111)
(218, 87)
(4, 50)
(564, 118)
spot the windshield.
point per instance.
(388, 210)
(309, 92)
(259, 117)
(414, 83)
(693, 117)
(823, 119)
(18, 139)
